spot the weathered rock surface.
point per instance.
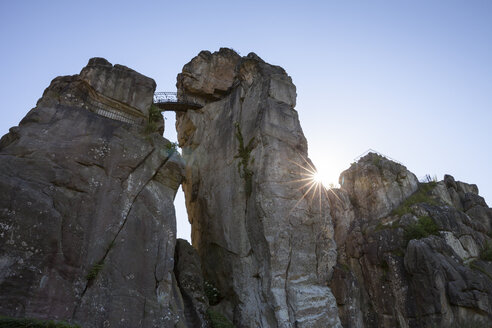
(377, 186)
(418, 261)
(188, 268)
(116, 92)
(119, 83)
(207, 76)
(268, 250)
(87, 223)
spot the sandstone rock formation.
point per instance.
(88, 230)
(268, 250)
(87, 224)
(418, 261)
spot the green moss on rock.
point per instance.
(424, 227)
(422, 195)
(8, 322)
(244, 154)
(217, 320)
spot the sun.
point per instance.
(315, 183)
(323, 178)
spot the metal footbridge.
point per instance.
(168, 101)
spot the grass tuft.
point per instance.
(422, 195)
(424, 227)
(94, 271)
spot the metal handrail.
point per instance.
(169, 101)
(165, 96)
(376, 152)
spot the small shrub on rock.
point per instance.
(424, 227)
(172, 148)
(422, 195)
(212, 293)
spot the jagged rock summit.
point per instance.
(410, 254)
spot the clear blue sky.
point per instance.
(411, 79)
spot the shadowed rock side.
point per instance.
(410, 254)
(268, 251)
(87, 223)
(188, 271)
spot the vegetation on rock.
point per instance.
(475, 266)
(94, 271)
(424, 227)
(244, 153)
(486, 253)
(212, 293)
(154, 116)
(8, 322)
(172, 148)
(422, 195)
(217, 320)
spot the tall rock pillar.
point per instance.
(267, 249)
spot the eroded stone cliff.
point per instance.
(268, 250)
(410, 254)
(87, 224)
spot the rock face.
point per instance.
(188, 268)
(267, 249)
(87, 223)
(410, 255)
(116, 92)
(377, 185)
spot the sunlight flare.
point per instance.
(315, 183)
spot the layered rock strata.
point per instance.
(87, 223)
(265, 241)
(410, 254)
(116, 92)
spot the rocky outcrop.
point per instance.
(116, 92)
(264, 239)
(377, 186)
(410, 255)
(87, 224)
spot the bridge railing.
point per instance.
(163, 97)
(376, 152)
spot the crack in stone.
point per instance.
(89, 283)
